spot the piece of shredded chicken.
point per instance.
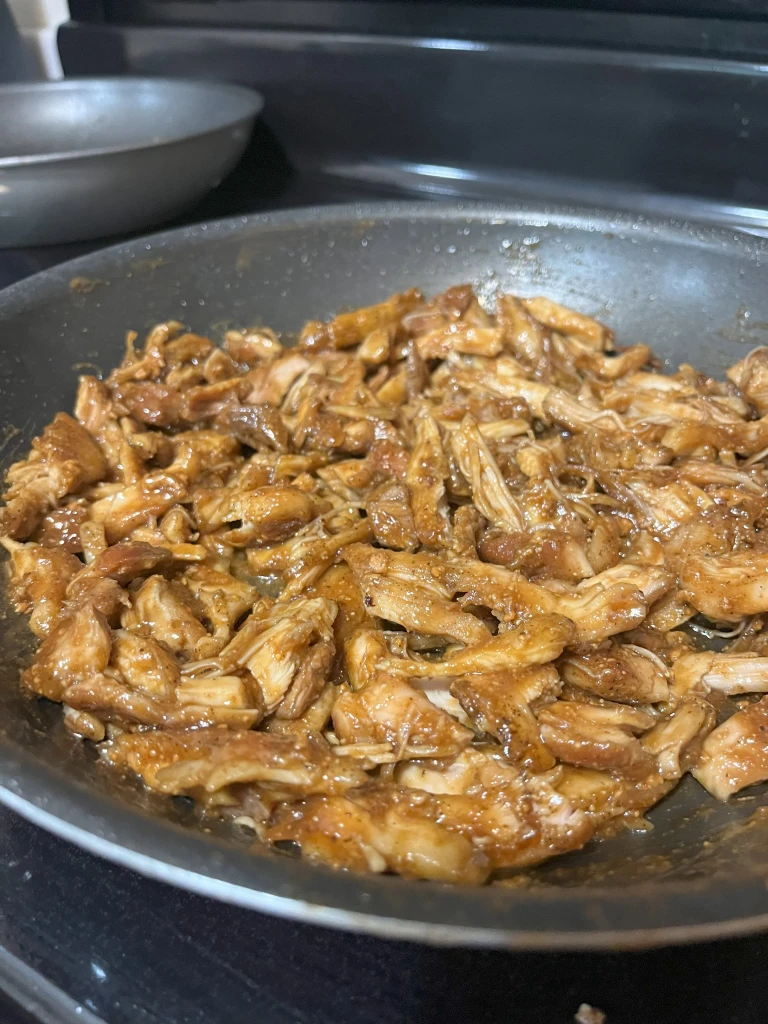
(428, 593)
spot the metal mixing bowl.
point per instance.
(85, 158)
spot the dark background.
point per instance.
(699, 8)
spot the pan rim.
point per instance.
(253, 104)
(737, 907)
(121, 845)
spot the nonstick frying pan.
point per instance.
(696, 294)
(89, 157)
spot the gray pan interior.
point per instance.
(695, 294)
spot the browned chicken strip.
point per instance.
(500, 704)
(735, 755)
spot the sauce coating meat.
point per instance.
(422, 594)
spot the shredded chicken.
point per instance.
(425, 594)
(735, 755)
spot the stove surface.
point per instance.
(88, 942)
(84, 941)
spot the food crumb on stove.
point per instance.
(587, 1014)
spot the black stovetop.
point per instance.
(84, 941)
(126, 950)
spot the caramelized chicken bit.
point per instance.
(77, 649)
(390, 711)
(115, 701)
(314, 717)
(419, 609)
(568, 322)
(387, 831)
(705, 672)
(279, 650)
(39, 580)
(750, 375)
(61, 527)
(126, 562)
(735, 755)
(224, 599)
(490, 492)
(515, 821)
(63, 460)
(261, 516)
(411, 594)
(388, 508)
(622, 672)
(159, 610)
(258, 426)
(145, 664)
(348, 329)
(178, 761)
(535, 642)
(726, 587)
(500, 704)
(64, 443)
(679, 737)
(426, 476)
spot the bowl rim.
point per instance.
(251, 100)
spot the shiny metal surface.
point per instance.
(479, 117)
(685, 289)
(86, 158)
(711, 28)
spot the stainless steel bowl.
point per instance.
(85, 158)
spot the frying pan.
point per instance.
(89, 157)
(696, 294)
